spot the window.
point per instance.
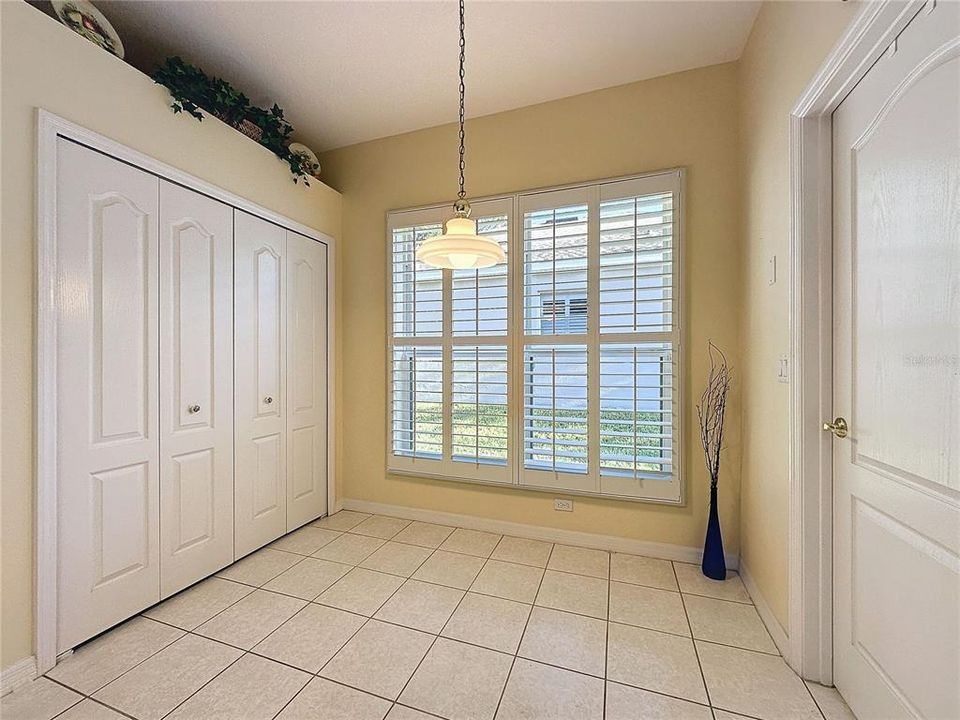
(557, 370)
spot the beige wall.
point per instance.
(688, 119)
(788, 43)
(46, 65)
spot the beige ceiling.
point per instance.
(346, 72)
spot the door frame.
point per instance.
(810, 543)
(49, 128)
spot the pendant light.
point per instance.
(460, 248)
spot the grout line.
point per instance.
(696, 652)
(814, 698)
(606, 642)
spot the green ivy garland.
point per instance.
(193, 90)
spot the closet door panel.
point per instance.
(107, 392)
(307, 379)
(260, 357)
(196, 386)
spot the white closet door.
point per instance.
(260, 382)
(108, 449)
(196, 386)
(306, 379)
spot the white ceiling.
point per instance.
(346, 72)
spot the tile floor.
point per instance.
(362, 617)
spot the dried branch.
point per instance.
(711, 410)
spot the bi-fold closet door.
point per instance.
(157, 468)
(281, 389)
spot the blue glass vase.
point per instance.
(714, 565)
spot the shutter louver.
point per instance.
(555, 408)
(480, 404)
(480, 296)
(417, 401)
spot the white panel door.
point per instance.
(897, 378)
(196, 386)
(260, 357)
(306, 379)
(107, 455)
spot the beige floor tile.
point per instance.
(641, 570)
(831, 703)
(305, 541)
(458, 681)
(471, 542)
(103, 660)
(424, 534)
(489, 621)
(253, 688)
(349, 549)
(40, 699)
(421, 606)
(157, 685)
(508, 580)
(380, 526)
(249, 621)
(341, 521)
(89, 710)
(536, 692)
(325, 700)
(629, 703)
(754, 684)
(361, 591)
(728, 623)
(582, 561)
(311, 637)
(380, 658)
(724, 715)
(654, 661)
(260, 567)
(574, 593)
(400, 712)
(571, 641)
(397, 559)
(648, 607)
(451, 569)
(307, 579)
(194, 606)
(693, 581)
(523, 551)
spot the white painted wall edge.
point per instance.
(664, 551)
(773, 625)
(20, 673)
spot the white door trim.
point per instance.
(810, 628)
(49, 128)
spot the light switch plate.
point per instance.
(783, 369)
(772, 270)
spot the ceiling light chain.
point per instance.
(459, 247)
(463, 45)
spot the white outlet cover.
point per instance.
(563, 505)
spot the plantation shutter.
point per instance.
(449, 354)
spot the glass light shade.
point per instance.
(460, 248)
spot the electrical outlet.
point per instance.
(563, 505)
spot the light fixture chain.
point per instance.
(463, 45)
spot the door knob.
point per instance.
(838, 427)
(268, 400)
(193, 409)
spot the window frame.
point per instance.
(514, 473)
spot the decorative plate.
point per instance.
(84, 19)
(311, 164)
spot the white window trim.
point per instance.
(669, 492)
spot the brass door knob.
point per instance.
(838, 427)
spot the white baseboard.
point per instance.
(666, 551)
(774, 627)
(20, 673)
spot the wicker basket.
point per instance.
(252, 131)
